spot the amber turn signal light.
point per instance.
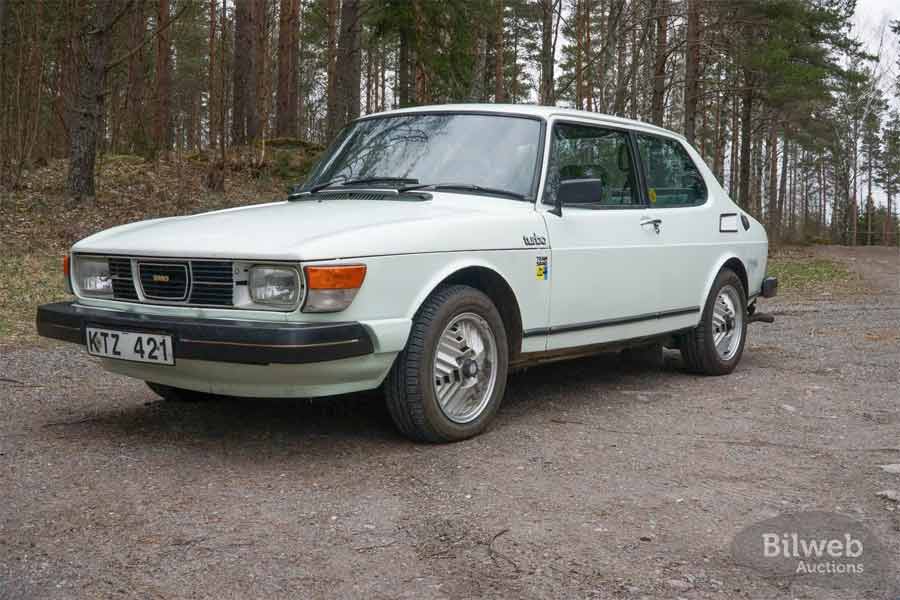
(67, 269)
(336, 277)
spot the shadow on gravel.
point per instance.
(237, 422)
(353, 420)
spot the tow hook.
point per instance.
(753, 316)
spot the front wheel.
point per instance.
(715, 346)
(448, 382)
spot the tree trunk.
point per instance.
(772, 192)
(297, 75)
(477, 91)
(692, 69)
(243, 46)
(134, 99)
(422, 78)
(162, 134)
(589, 76)
(348, 70)
(853, 209)
(579, 55)
(616, 42)
(733, 158)
(889, 220)
(659, 71)
(351, 15)
(758, 178)
(499, 78)
(636, 59)
(4, 112)
(256, 78)
(88, 106)
(746, 144)
(548, 95)
(870, 201)
(331, 56)
(213, 113)
(621, 72)
(821, 222)
(286, 105)
(782, 189)
(403, 68)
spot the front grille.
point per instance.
(164, 281)
(213, 283)
(122, 281)
(170, 281)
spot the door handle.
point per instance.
(655, 222)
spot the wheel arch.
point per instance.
(727, 261)
(488, 280)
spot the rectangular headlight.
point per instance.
(92, 277)
(276, 286)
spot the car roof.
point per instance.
(533, 110)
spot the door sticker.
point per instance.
(542, 268)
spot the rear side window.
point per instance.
(591, 167)
(672, 177)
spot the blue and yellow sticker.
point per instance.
(542, 268)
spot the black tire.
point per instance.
(174, 394)
(409, 389)
(697, 347)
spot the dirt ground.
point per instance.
(599, 479)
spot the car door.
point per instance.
(688, 220)
(604, 281)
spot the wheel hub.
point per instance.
(464, 371)
(469, 368)
(727, 322)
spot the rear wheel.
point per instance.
(448, 382)
(715, 346)
(174, 394)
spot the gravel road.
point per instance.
(599, 480)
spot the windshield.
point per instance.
(488, 151)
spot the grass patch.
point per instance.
(800, 275)
(27, 280)
(805, 273)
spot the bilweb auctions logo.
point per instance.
(815, 555)
(816, 548)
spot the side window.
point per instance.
(591, 167)
(672, 177)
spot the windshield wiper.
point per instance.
(465, 186)
(360, 180)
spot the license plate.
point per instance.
(128, 345)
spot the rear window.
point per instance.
(672, 177)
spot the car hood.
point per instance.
(328, 228)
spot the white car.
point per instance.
(432, 250)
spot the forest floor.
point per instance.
(39, 223)
(599, 479)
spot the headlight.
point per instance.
(92, 277)
(276, 286)
(332, 288)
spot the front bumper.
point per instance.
(216, 340)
